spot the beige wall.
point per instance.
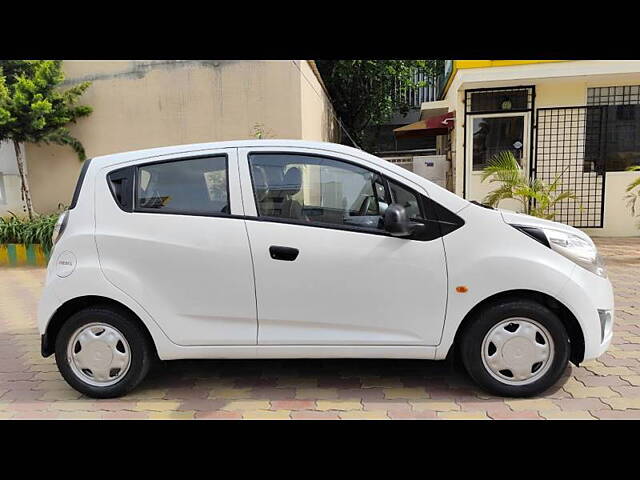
(617, 216)
(557, 85)
(317, 115)
(145, 104)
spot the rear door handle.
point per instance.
(288, 254)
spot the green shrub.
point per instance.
(38, 230)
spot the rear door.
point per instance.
(176, 243)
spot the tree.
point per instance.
(367, 93)
(34, 109)
(537, 198)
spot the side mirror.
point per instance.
(396, 221)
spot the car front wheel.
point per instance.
(515, 348)
(102, 353)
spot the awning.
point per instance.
(438, 125)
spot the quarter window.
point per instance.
(408, 199)
(320, 190)
(195, 186)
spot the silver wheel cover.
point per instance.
(99, 354)
(517, 351)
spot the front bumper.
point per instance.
(590, 299)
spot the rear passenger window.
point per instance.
(196, 186)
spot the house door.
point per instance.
(488, 135)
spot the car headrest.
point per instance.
(292, 182)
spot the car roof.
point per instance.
(116, 158)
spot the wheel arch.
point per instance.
(570, 322)
(76, 304)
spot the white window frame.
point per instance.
(526, 142)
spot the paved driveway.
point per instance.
(31, 387)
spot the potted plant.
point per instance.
(25, 241)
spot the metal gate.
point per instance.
(568, 143)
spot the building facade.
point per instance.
(576, 120)
(145, 104)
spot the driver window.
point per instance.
(315, 189)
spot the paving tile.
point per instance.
(240, 405)
(324, 405)
(511, 415)
(606, 371)
(583, 404)
(183, 415)
(78, 415)
(155, 406)
(364, 415)
(579, 390)
(233, 393)
(125, 415)
(579, 415)
(616, 414)
(623, 403)
(365, 394)
(293, 404)
(266, 415)
(633, 380)
(532, 404)
(464, 415)
(316, 393)
(314, 415)
(416, 393)
(436, 406)
(273, 393)
(44, 415)
(403, 414)
(218, 415)
(610, 381)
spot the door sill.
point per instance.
(299, 351)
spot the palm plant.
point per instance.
(536, 197)
(633, 197)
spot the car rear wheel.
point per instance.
(515, 348)
(102, 353)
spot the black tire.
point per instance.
(141, 350)
(473, 337)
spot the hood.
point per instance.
(514, 218)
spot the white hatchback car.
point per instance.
(293, 249)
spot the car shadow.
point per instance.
(441, 379)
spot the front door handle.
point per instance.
(288, 254)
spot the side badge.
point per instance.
(66, 264)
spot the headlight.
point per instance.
(580, 250)
(59, 226)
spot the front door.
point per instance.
(326, 272)
(488, 135)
